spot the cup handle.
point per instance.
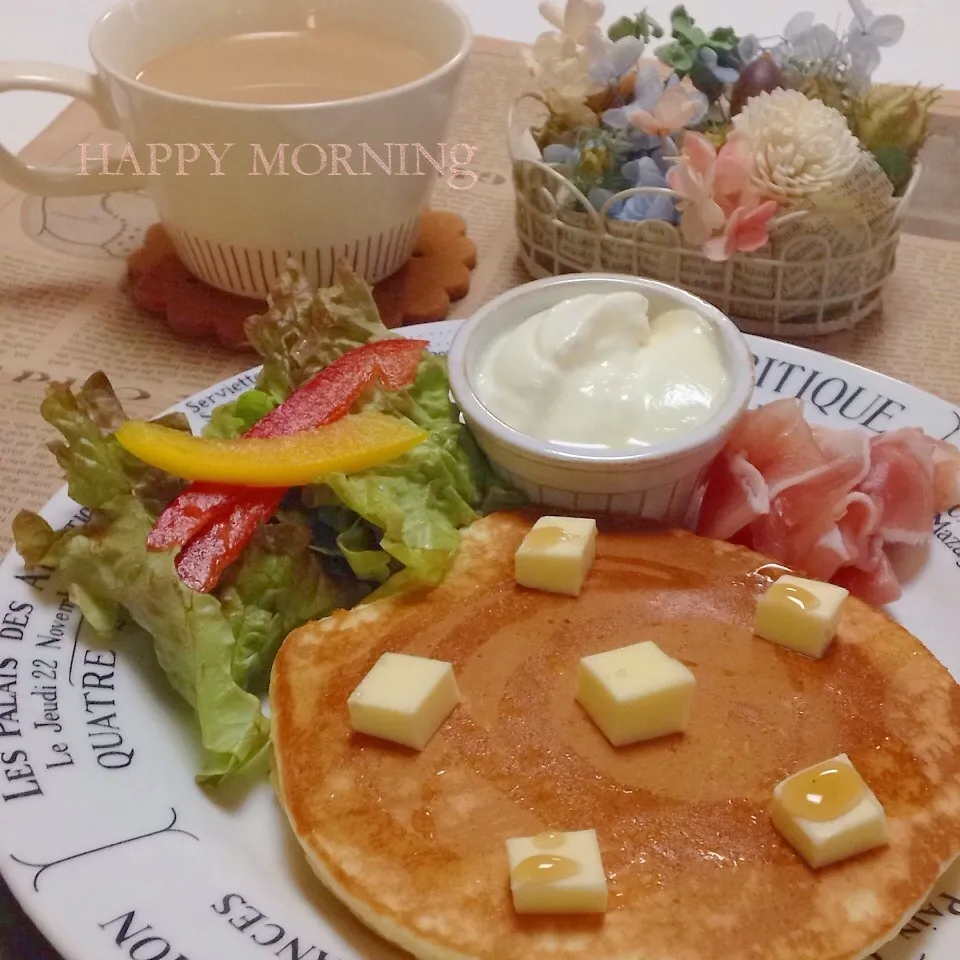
(59, 181)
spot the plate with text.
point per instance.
(113, 849)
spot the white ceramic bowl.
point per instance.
(658, 483)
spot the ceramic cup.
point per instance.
(235, 230)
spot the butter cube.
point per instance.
(557, 554)
(800, 614)
(635, 693)
(557, 873)
(404, 699)
(822, 839)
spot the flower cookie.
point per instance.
(422, 290)
(437, 274)
(161, 284)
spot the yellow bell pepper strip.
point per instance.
(212, 523)
(326, 397)
(348, 445)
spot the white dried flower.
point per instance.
(800, 146)
(577, 20)
(570, 113)
(561, 65)
(560, 60)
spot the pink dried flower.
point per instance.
(733, 184)
(692, 179)
(675, 108)
(716, 192)
(746, 230)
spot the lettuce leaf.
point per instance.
(341, 535)
(421, 499)
(232, 419)
(212, 648)
(107, 565)
(418, 501)
(331, 544)
(278, 584)
(304, 329)
(97, 468)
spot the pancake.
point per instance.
(413, 843)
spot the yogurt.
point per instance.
(597, 371)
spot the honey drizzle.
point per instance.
(548, 840)
(767, 568)
(792, 594)
(824, 792)
(546, 536)
(545, 868)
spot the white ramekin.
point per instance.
(658, 483)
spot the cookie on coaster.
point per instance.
(437, 274)
(422, 290)
(163, 285)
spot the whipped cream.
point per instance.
(597, 371)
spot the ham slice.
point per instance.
(735, 496)
(778, 441)
(873, 579)
(806, 509)
(900, 480)
(849, 539)
(946, 476)
(828, 501)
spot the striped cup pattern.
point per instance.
(252, 271)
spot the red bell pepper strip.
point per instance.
(216, 522)
(193, 509)
(326, 397)
(202, 561)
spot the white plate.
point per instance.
(115, 852)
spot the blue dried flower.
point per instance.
(640, 118)
(648, 207)
(753, 46)
(750, 47)
(709, 59)
(560, 154)
(648, 87)
(868, 33)
(665, 155)
(611, 60)
(640, 172)
(643, 172)
(616, 118)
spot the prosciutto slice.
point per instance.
(738, 495)
(828, 501)
(848, 541)
(873, 579)
(900, 481)
(946, 476)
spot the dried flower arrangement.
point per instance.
(727, 139)
(739, 129)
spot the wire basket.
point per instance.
(821, 271)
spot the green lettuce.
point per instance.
(304, 329)
(331, 544)
(343, 536)
(416, 503)
(278, 585)
(212, 647)
(232, 419)
(107, 566)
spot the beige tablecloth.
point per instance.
(64, 311)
